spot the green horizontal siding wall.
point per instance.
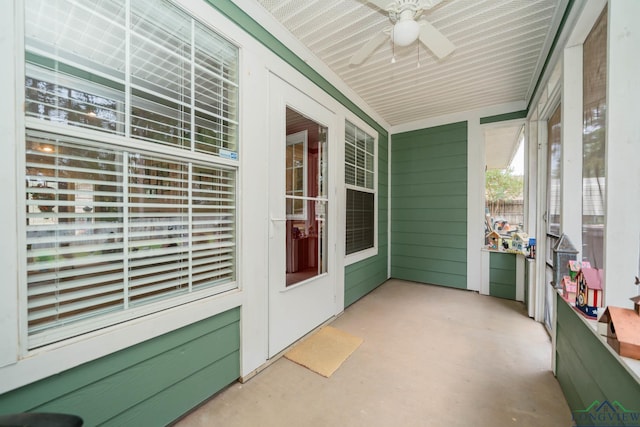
(502, 275)
(429, 205)
(364, 276)
(585, 367)
(149, 384)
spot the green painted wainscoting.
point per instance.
(502, 275)
(587, 368)
(364, 276)
(429, 205)
(149, 384)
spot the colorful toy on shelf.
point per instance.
(623, 329)
(569, 289)
(532, 247)
(575, 266)
(519, 241)
(494, 240)
(589, 291)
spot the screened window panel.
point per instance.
(554, 179)
(554, 172)
(594, 141)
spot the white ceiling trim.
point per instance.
(468, 115)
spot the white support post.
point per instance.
(572, 147)
(622, 227)
(11, 134)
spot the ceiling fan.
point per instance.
(406, 29)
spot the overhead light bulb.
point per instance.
(405, 31)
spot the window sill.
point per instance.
(359, 256)
(49, 360)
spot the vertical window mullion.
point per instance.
(125, 228)
(190, 224)
(193, 88)
(127, 70)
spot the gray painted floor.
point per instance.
(431, 356)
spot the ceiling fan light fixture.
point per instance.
(405, 31)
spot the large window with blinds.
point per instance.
(130, 163)
(361, 187)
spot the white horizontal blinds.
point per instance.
(158, 228)
(350, 154)
(75, 60)
(359, 157)
(216, 92)
(175, 227)
(213, 226)
(160, 73)
(181, 68)
(369, 161)
(74, 231)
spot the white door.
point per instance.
(302, 259)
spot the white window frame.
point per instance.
(372, 251)
(66, 334)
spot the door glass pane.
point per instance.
(305, 198)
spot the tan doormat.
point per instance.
(324, 351)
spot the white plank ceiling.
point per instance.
(501, 46)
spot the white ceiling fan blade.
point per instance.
(368, 48)
(435, 41)
(382, 4)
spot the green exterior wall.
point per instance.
(585, 366)
(502, 275)
(149, 384)
(364, 276)
(429, 205)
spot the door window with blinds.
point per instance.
(130, 163)
(361, 187)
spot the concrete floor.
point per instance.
(431, 356)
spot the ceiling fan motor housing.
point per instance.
(403, 14)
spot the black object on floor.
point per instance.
(35, 419)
